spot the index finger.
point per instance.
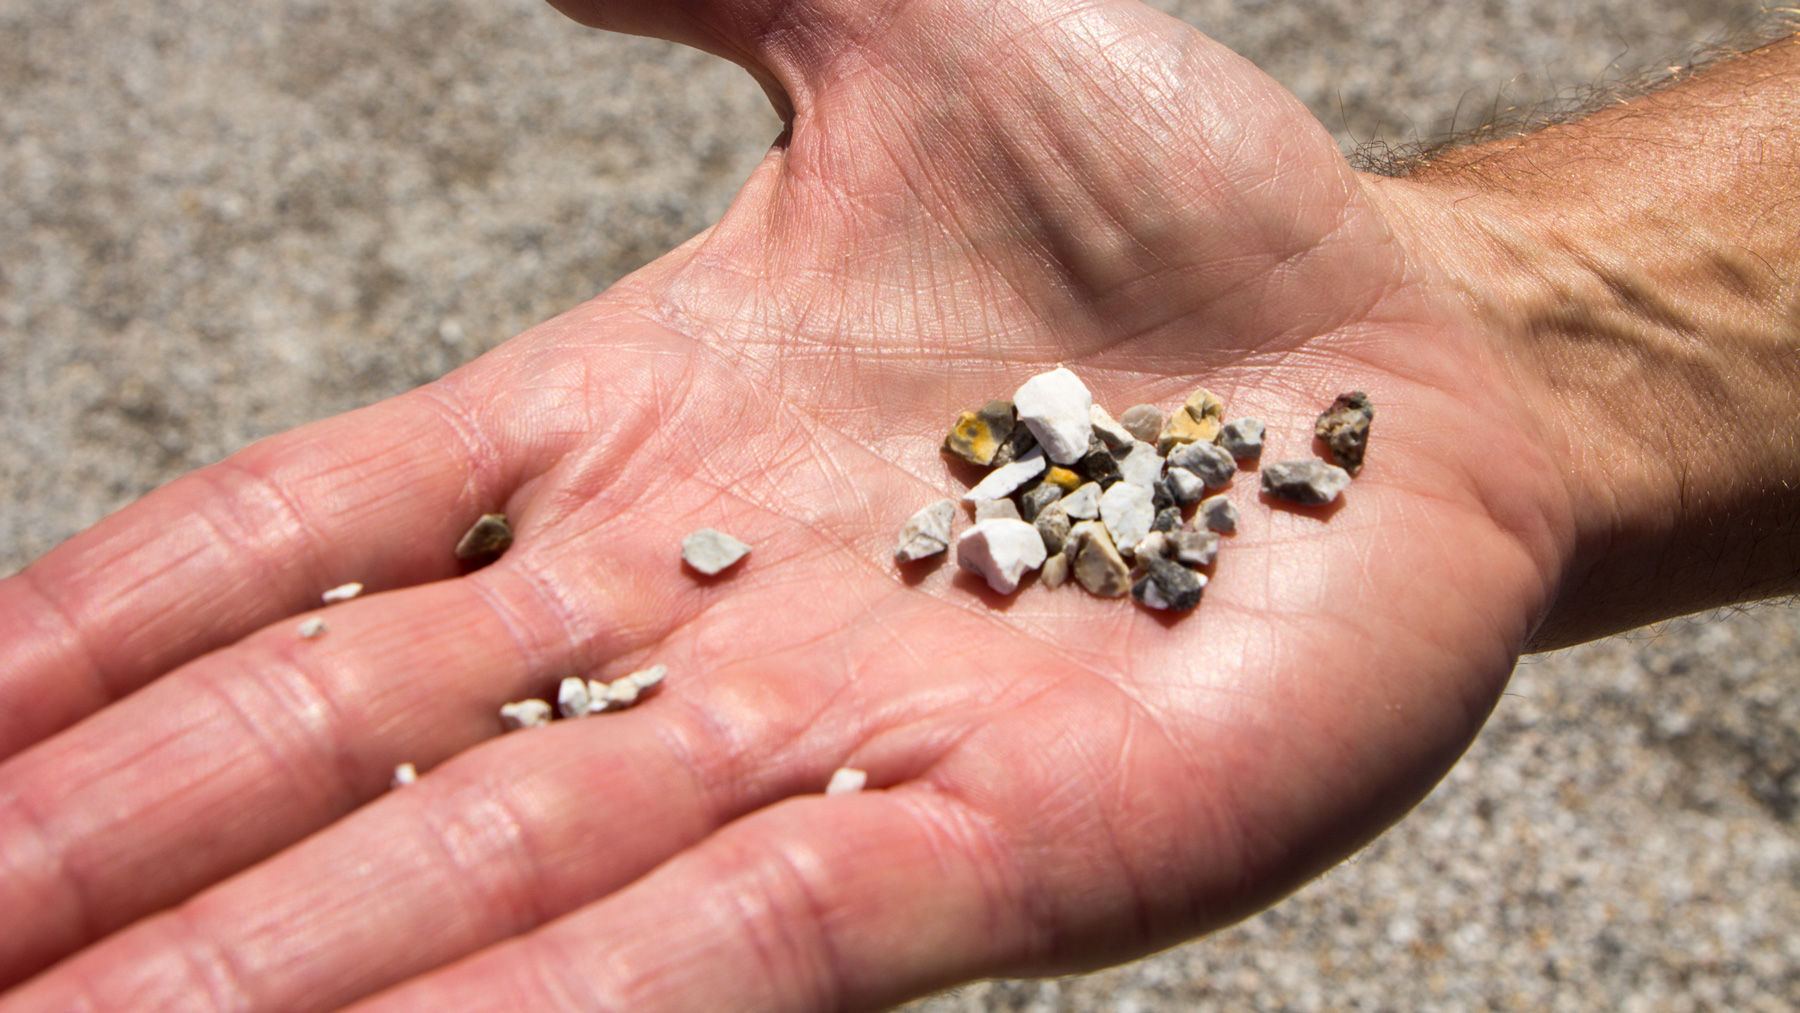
(377, 496)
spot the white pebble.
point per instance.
(343, 592)
(404, 775)
(312, 627)
(524, 714)
(1058, 409)
(596, 697)
(1083, 504)
(1001, 551)
(711, 551)
(1109, 431)
(572, 697)
(621, 692)
(847, 781)
(996, 509)
(1001, 482)
(648, 677)
(1127, 510)
(1140, 465)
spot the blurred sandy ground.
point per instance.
(221, 219)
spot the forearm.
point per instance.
(1640, 269)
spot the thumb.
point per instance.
(789, 46)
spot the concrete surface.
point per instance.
(220, 220)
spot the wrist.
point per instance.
(1639, 273)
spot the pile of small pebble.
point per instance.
(578, 698)
(1076, 493)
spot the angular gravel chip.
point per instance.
(846, 781)
(710, 551)
(1058, 409)
(343, 592)
(1306, 482)
(524, 714)
(488, 536)
(1001, 551)
(927, 532)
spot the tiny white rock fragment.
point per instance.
(1001, 551)
(846, 781)
(312, 627)
(1243, 438)
(1002, 481)
(1217, 513)
(996, 509)
(343, 592)
(572, 697)
(1140, 464)
(1058, 409)
(1127, 510)
(1110, 432)
(524, 714)
(710, 551)
(1306, 482)
(648, 677)
(596, 697)
(927, 532)
(1083, 504)
(404, 774)
(621, 692)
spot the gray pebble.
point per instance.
(1167, 519)
(1217, 513)
(1053, 527)
(1018, 444)
(1192, 548)
(1038, 499)
(927, 532)
(1345, 429)
(1187, 487)
(1306, 482)
(1143, 422)
(1214, 466)
(1168, 586)
(1055, 571)
(710, 551)
(490, 535)
(1243, 438)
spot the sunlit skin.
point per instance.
(969, 193)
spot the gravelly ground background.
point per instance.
(220, 220)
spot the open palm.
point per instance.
(970, 193)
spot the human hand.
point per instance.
(966, 199)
